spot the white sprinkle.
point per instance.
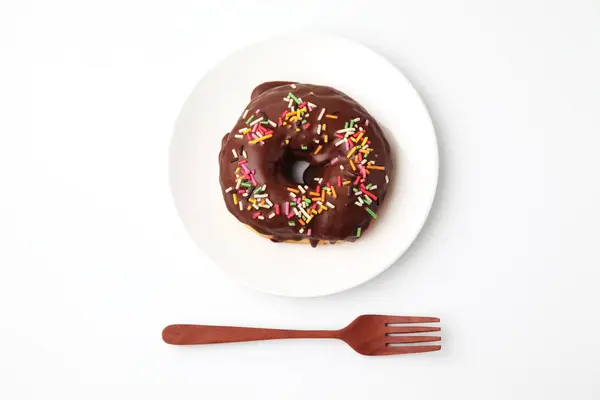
(316, 179)
(241, 206)
(238, 183)
(245, 154)
(269, 203)
(356, 119)
(345, 130)
(319, 129)
(301, 189)
(255, 206)
(300, 100)
(360, 200)
(311, 104)
(290, 104)
(334, 161)
(256, 121)
(229, 189)
(330, 205)
(286, 98)
(320, 180)
(321, 114)
(272, 215)
(273, 124)
(261, 217)
(305, 186)
(305, 213)
(320, 203)
(245, 113)
(234, 153)
(317, 141)
(339, 142)
(261, 196)
(341, 167)
(245, 194)
(242, 130)
(295, 210)
(387, 180)
(238, 136)
(293, 195)
(363, 162)
(257, 133)
(301, 230)
(373, 187)
(293, 86)
(357, 203)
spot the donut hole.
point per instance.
(299, 170)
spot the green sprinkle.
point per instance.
(250, 119)
(303, 122)
(369, 186)
(351, 123)
(264, 122)
(346, 125)
(355, 189)
(246, 184)
(291, 223)
(258, 190)
(293, 203)
(358, 231)
(304, 147)
(371, 212)
(294, 97)
(367, 200)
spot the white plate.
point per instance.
(291, 269)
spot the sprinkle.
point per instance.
(304, 147)
(367, 122)
(301, 230)
(235, 155)
(325, 138)
(358, 203)
(368, 200)
(250, 119)
(319, 129)
(256, 121)
(331, 116)
(345, 130)
(371, 212)
(261, 196)
(342, 167)
(307, 125)
(260, 139)
(351, 123)
(321, 114)
(330, 205)
(244, 154)
(287, 208)
(301, 189)
(365, 141)
(294, 97)
(235, 199)
(371, 195)
(347, 182)
(339, 180)
(387, 180)
(293, 86)
(271, 215)
(238, 136)
(309, 231)
(261, 217)
(378, 167)
(352, 165)
(351, 152)
(292, 195)
(229, 189)
(358, 231)
(241, 205)
(245, 113)
(333, 192)
(339, 142)
(302, 222)
(291, 223)
(369, 186)
(318, 149)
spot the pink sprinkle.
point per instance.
(309, 231)
(241, 191)
(287, 208)
(307, 125)
(310, 108)
(291, 215)
(328, 185)
(283, 113)
(253, 180)
(337, 135)
(350, 143)
(339, 180)
(242, 162)
(261, 129)
(268, 133)
(245, 168)
(359, 157)
(347, 146)
(255, 215)
(314, 206)
(302, 105)
(357, 180)
(257, 111)
(319, 189)
(280, 122)
(255, 127)
(277, 209)
(334, 161)
(367, 122)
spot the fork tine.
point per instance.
(390, 350)
(411, 339)
(394, 319)
(412, 329)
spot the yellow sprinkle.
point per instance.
(330, 116)
(293, 190)
(315, 199)
(365, 141)
(365, 151)
(325, 138)
(324, 208)
(260, 139)
(375, 167)
(323, 195)
(237, 170)
(253, 201)
(318, 149)
(287, 141)
(297, 129)
(235, 200)
(346, 183)
(249, 208)
(314, 211)
(351, 166)
(360, 135)
(309, 218)
(352, 150)
(333, 192)
(285, 123)
(324, 127)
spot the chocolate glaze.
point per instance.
(272, 160)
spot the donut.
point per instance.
(341, 190)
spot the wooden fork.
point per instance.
(371, 335)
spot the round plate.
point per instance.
(298, 270)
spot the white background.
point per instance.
(94, 261)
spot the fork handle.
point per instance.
(205, 334)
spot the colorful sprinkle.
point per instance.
(358, 230)
(371, 212)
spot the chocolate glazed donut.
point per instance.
(342, 189)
